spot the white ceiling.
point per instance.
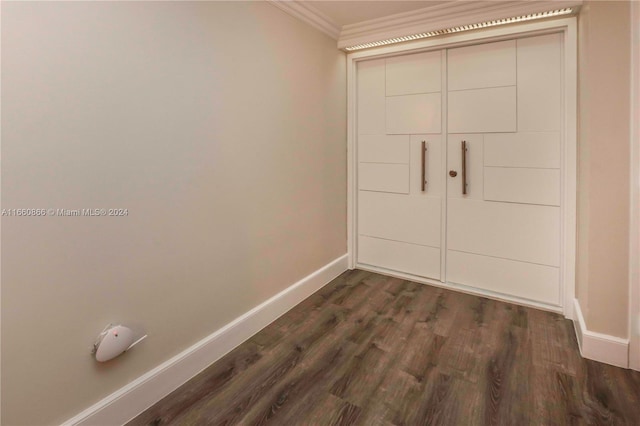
(353, 11)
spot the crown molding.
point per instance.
(442, 16)
(309, 14)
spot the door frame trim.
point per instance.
(634, 225)
(566, 26)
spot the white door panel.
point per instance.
(539, 83)
(474, 166)
(383, 177)
(399, 217)
(524, 232)
(383, 149)
(371, 97)
(482, 110)
(482, 66)
(413, 114)
(521, 185)
(413, 74)
(402, 257)
(534, 282)
(433, 165)
(502, 98)
(522, 149)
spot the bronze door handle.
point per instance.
(424, 165)
(464, 167)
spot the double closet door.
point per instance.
(459, 166)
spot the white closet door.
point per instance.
(399, 114)
(498, 211)
(503, 235)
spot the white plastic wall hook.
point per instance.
(114, 340)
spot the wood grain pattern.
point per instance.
(373, 350)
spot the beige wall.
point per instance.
(220, 126)
(603, 162)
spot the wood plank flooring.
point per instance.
(373, 350)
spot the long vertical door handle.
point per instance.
(464, 167)
(424, 166)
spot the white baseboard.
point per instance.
(597, 346)
(132, 399)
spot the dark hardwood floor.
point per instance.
(372, 350)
